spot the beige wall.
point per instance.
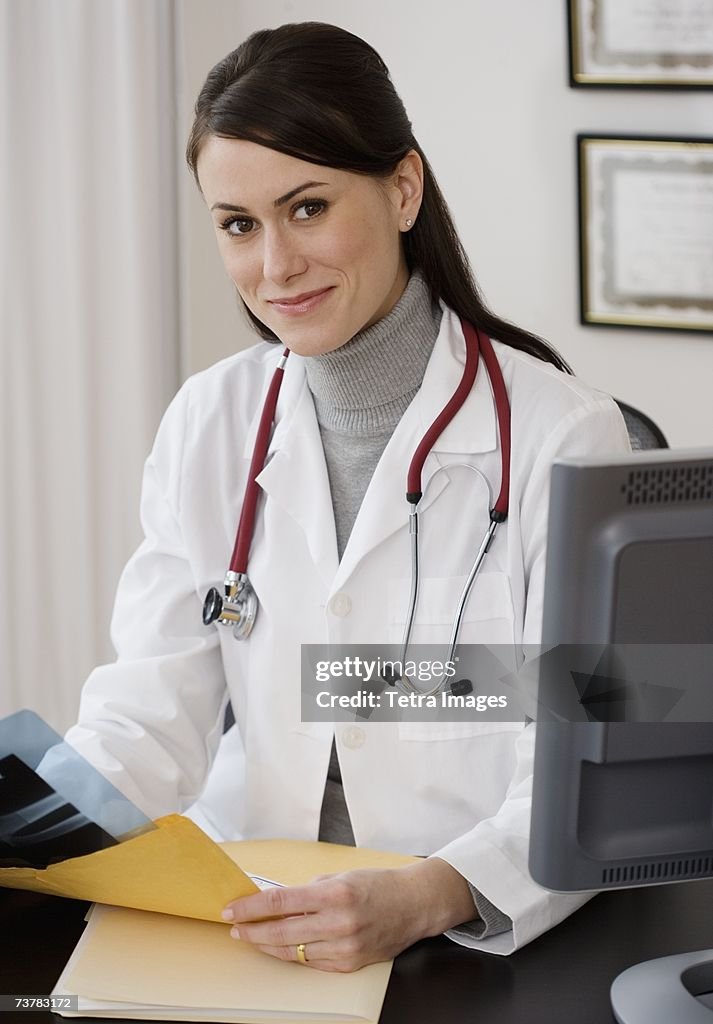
(486, 87)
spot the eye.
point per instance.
(308, 209)
(237, 225)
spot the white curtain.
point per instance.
(89, 346)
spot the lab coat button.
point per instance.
(353, 737)
(341, 605)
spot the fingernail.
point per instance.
(227, 914)
(234, 933)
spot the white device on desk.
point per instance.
(618, 803)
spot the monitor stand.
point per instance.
(671, 989)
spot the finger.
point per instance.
(278, 902)
(320, 956)
(288, 931)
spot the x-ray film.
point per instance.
(53, 804)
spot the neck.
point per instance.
(365, 386)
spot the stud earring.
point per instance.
(409, 223)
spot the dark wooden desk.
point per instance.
(564, 976)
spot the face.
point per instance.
(314, 252)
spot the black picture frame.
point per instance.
(630, 63)
(645, 215)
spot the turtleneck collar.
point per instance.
(365, 386)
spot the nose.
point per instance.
(282, 257)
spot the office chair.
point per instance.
(229, 720)
(643, 432)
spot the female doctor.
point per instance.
(335, 234)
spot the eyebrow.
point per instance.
(278, 202)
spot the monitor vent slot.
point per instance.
(659, 485)
(658, 871)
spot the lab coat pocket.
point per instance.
(488, 619)
(428, 732)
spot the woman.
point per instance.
(340, 245)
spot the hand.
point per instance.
(348, 920)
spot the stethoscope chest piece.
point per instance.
(237, 608)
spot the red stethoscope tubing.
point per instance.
(475, 343)
(246, 525)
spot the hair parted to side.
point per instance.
(321, 94)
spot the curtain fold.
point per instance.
(89, 325)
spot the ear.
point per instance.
(408, 180)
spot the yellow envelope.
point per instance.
(177, 869)
(174, 869)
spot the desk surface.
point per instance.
(564, 976)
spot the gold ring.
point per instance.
(301, 953)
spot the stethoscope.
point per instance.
(238, 606)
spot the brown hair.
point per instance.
(323, 95)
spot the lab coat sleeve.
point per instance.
(493, 856)
(152, 720)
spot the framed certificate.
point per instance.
(646, 231)
(641, 43)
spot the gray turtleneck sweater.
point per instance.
(360, 393)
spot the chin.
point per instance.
(309, 347)
(306, 342)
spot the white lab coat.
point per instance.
(152, 721)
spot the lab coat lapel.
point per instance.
(295, 474)
(384, 509)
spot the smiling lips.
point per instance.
(301, 304)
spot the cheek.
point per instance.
(238, 265)
(363, 246)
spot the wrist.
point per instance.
(444, 897)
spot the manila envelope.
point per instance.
(177, 869)
(173, 869)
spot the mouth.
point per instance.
(300, 304)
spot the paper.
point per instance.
(174, 869)
(295, 861)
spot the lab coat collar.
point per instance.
(295, 474)
(293, 384)
(473, 429)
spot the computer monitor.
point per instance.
(624, 803)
